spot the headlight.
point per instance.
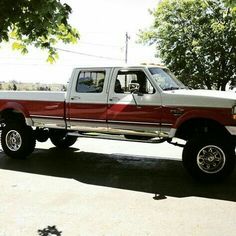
(234, 112)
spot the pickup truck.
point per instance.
(135, 103)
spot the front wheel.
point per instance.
(209, 158)
(17, 140)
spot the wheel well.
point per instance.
(195, 127)
(10, 114)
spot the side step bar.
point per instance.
(117, 137)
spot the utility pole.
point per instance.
(127, 37)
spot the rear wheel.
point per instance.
(61, 140)
(41, 134)
(209, 158)
(17, 140)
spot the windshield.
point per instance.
(165, 80)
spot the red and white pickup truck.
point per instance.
(138, 103)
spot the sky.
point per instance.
(102, 25)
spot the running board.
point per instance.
(116, 137)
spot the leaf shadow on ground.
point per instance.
(160, 176)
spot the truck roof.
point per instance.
(124, 66)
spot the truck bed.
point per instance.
(42, 108)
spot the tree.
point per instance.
(197, 40)
(41, 23)
(230, 3)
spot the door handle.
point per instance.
(75, 98)
(114, 99)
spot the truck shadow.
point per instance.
(160, 176)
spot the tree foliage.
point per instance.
(230, 3)
(41, 23)
(196, 39)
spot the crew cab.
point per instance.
(135, 103)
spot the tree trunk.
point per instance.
(223, 85)
(208, 84)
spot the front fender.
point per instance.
(221, 116)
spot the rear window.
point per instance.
(90, 82)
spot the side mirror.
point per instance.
(134, 87)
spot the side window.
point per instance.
(90, 82)
(125, 81)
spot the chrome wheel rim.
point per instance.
(211, 159)
(13, 140)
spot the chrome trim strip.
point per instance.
(85, 120)
(133, 122)
(112, 121)
(49, 123)
(88, 126)
(46, 117)
(166, 124)
(231, 129)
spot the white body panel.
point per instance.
(199, 98)
(33, 95)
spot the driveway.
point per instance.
(101, 187)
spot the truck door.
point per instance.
(133, 102)
(87, 109)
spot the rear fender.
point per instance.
(15, 107)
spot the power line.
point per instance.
(65, 50)
(35, 64)
(86, 54)
(100, 44)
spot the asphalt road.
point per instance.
(101, 187)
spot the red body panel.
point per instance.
(35, 108)
(178, 115)
(173, 116)
(132, 113)
(168, 116)
(87, 111)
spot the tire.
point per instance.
(17, 140)
(61, 140)
(208, 158)
(41, 135)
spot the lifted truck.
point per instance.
(138, 103)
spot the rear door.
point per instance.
(88, 100)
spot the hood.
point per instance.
(203, 98)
